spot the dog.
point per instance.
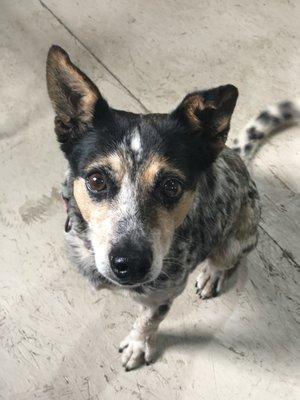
(152, 197)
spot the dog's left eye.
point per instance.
(96, 182)
(171, 188)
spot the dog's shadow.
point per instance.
(184, 340)
(195, 337)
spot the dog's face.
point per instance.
(135, 175)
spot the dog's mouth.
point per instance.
(130, 282)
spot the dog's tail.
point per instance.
(257, 131)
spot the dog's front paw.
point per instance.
(136, 350)
(209, 282)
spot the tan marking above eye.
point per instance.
(112, 161)
(153, 167)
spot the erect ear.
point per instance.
(207, 114)
(73, 95)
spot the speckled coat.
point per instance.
(150, 170)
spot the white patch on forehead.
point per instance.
(135, 143)
(127, 196)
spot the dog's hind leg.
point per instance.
(140, 345)
(215, 268)
(226, 256)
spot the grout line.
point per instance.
(281, 181)
(95, 57)
(286, 254)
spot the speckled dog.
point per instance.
(152, 197)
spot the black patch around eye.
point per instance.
(110, 190)
(96, 183)
(171, 188)
(158, 192)
(168, 203)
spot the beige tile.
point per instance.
(58, 339)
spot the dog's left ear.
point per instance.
(207, 114)
(73, 95)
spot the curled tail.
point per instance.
(272, 120)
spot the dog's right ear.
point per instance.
(74, 96)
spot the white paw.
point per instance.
(137, 350)
(209, 282)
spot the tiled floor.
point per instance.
(58, 339)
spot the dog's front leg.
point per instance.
(140, 345)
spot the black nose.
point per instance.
(130, 265)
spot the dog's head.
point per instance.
(135, 175)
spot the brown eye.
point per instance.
(171, 188)
(96, 182)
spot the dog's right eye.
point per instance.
(96, 182)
